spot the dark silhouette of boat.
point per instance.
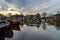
(6, 29)
(16, 25)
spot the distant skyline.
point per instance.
(49, 6)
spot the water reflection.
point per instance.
(44, 25)
(16, 27)
(10, 33)
(56, 24)
(35, 32)
(34, 25)
(58, 28)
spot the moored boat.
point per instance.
(16, 25)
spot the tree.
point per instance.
(9, 14)
(38, 16)
(44, 16)
(2, 16)
(16, 16)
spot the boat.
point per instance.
(16, 25)
(7, 28)
(3, 25)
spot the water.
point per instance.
(43, 31)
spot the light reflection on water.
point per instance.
(42, 31)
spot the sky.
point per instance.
(49, 6)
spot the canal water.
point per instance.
(42, 31)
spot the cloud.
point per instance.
(49, 6)
(3, 4)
